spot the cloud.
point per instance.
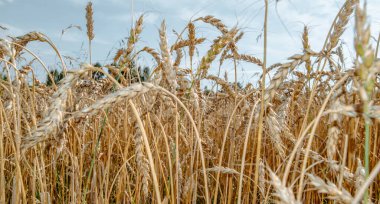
(6, 1)
(150, 17)
(101, 41)
(72, 36)
(11, 30)
(81, 2)
(84, 2)
(373, 13)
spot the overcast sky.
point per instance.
(113, 21)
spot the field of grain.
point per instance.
(309, 133)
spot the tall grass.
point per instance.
(300, 137)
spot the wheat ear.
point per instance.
(55, 114)
(114, 98)
(215, 22)
(330, 189)
(284, 193)
(90, 26)
(168, 72)
(141, 160)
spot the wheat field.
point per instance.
(308, 133)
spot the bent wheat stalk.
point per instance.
(55, 114)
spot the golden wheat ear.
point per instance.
(90, 27)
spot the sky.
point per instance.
(113, 20)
